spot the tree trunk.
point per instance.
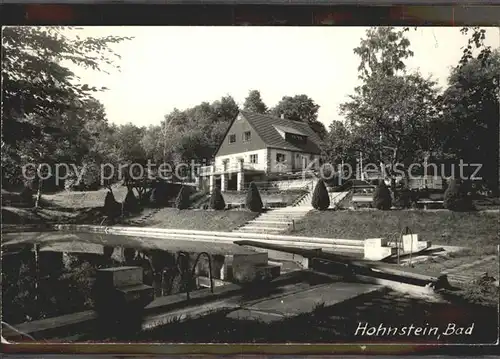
(39, 190)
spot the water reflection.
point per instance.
(43, 282)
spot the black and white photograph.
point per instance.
(250, 185)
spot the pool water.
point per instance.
(39, 283)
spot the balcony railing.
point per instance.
(234, 167)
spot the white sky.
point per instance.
(167, 67)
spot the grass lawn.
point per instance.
(83, 199)
(477, 230)
(200, 219)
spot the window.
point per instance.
(292, 137)
(280, 157)
(247, 135)
(253, 158)
(232, 138)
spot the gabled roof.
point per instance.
(266, 127)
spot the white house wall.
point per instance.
(289, 162)
(284, 167)
(234, 159)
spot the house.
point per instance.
(256, 146)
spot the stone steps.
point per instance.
(280, 219)
(282, 225)
(277, 217)
(257, 229)
(266, 222)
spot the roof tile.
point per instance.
(265, 126)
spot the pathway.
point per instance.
(468, 272)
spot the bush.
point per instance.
(146, 197)
(131, 203)
(27, 195)
(320, 197)
(111, 208)
(253, 201)
(182, 200)
(153, 198)
(456, 197)
(382, 197)
(403, 198)
(217, 200)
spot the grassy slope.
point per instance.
(200, 219)
(84, 199)
(443, 227)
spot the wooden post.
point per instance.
(362, 177)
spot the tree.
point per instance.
(131, 204)
(226, 109)
(195, 133)
(403, 197)
(112, 208)
(254, 103)
(127, 140)
(382, 197)
(476, 41)
(383, 51)
(152, 143)
(26, 195)
(217, 200)
(470, 111)
(339, 144)
(320, 197)
(393, 115)
(45, 111)
(153, 198)
(253, 199)
(301, 108)
(182, 200)
(456, 197)
(36, 83)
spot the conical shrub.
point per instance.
(27, 195)
(320, 198)
(182, 200)
(382, 197)
(253, 199)
(217, 200)
(456, 198)
(403, 197)
(153, 198)
(111, 208)
(131, 203)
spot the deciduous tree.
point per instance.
(392, 114)
(254, 103)
(301, 108)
